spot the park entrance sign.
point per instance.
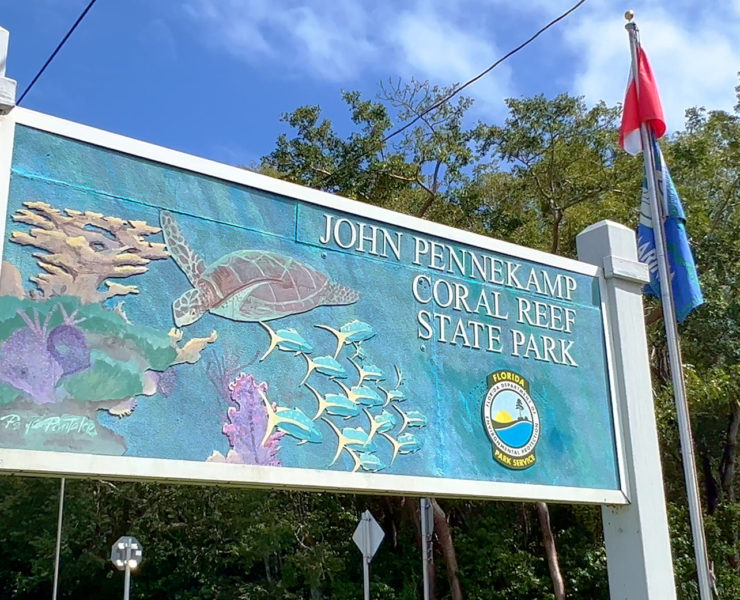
(167, 317)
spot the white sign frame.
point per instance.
(166, 470)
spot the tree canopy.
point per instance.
(549, 170)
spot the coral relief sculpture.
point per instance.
(247, 285)
(360, 418)
(85, 249)
(64, 354)
(34, 358)
(247, 427)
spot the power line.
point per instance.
(457, 90)
(56, 50)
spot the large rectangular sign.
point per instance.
(167, 317)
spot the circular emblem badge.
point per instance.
(511, 420)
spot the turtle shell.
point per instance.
(257, 285)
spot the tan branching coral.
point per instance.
(84, 250)
(190, 351)
(11, 283)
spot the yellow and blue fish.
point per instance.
(351, 438)
(392, 396)
(367, 372)
(412, 418)
(360, 394)
(406, 443)
(353, 332)
(291, 421)
(381, 423)
(336, 405)
(287, 340)
(366, 461)
(326, 365)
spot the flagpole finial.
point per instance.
(629, 15)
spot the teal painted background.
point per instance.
(183, 406)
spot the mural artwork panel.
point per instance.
(148, 311)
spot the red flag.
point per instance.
(645, 109)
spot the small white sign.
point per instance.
(368, 535)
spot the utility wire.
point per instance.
(457, 90)
(56, 50)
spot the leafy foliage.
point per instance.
(551, 169)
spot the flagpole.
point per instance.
(704, 573)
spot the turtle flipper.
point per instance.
(188, 260)
(336, 293)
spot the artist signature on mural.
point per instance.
(65, 424)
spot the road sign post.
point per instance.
(367, 537)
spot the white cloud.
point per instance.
(334, 43)
(344, 41)
(232, 25)
(431, 48)
(329, 40)
(350, 42)
(692, 52)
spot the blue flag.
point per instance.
(684, 280)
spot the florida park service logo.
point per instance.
(511, 420)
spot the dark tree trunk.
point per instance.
(444, 535)
(432, 191)
(653, 315)
(427, 205)
(711, 489)
(729, 455)
(727, 473)
(548, 539)
(557, 218)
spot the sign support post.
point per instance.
(366, 578)
(427, 530)
(367, 537)
(126, 582)
(636, 535)
(366, 558)
(7, 85)
(58, 550)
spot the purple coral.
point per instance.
(26, 365)
(166, 381)
(248, 423)
(67, 345)
(33, 359)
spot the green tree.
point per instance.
(552, 168)
(409, 171)
(555, 162)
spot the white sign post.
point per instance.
(637, 540)
(367, 536)
(7, 85)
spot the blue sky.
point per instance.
(212, 77)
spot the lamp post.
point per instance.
(126, 554)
